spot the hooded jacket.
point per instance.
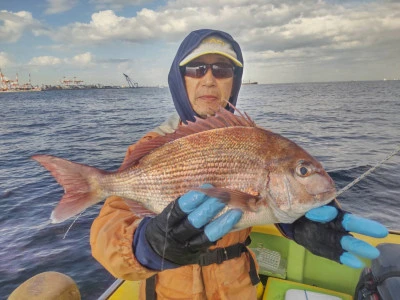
(176, 82)
(112, 232)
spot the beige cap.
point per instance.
(213, 45)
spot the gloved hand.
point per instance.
(184, 229)
(324, 231)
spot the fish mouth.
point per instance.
(325, 197)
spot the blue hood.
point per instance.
(175, 78)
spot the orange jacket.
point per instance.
(111, 239)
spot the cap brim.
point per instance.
(189, 58)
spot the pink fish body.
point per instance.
(269, 177)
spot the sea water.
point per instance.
(348, 126)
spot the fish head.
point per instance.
(297, 184)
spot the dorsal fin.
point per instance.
(222, 119)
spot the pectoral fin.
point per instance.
(234, 198)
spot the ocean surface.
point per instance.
(348, 126)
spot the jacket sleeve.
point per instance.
(111, 235)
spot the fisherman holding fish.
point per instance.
(196, 246)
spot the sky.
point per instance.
(282, 40)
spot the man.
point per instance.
(191, 255)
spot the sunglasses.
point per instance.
(198, 70)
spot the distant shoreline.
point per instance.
(106, 87)
(59, 88)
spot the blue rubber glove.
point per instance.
(324, 231)
(184, 230)
(201, 209)
(349, 222)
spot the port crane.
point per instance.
(14, 85)
(130, 83)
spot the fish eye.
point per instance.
(303, 170)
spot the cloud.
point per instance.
(113, 61)
(105, 26)
(271, 33)
(5, 59)
(59, 6)
(260, 25)
(117, 4)
(13, 25)
(45, 61)
(81, 60)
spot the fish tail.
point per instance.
(80, 183)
